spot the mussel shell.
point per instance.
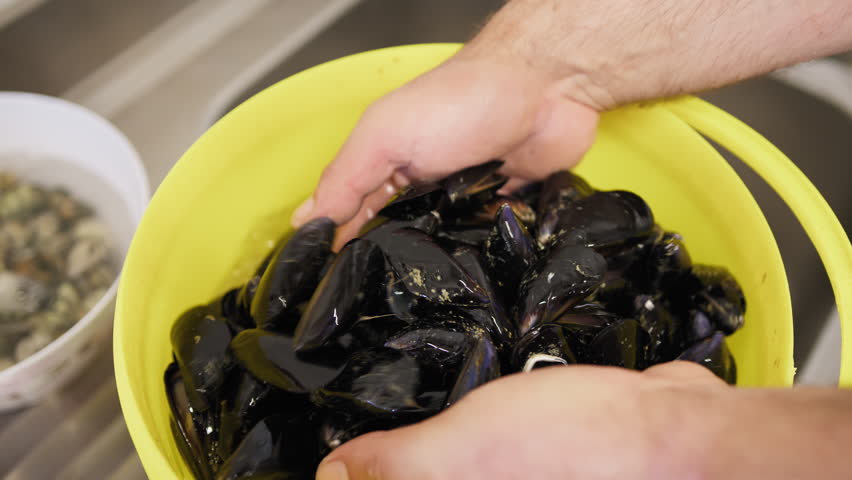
(429, 272)
(338, 427)
(602, 219)
(509, 252)
(414, 201)
(713, 353)
(383, 382)
(556, 193)
(721, 297)
(249, 401)
(355, 275)
(530, 194)
(380, 228)
(492, 317)
(282, 446)
(546, 345)
(200, 342)
(473, 236)
(292, 274)
(665, 330)
(560, 280)
(188, 426)
(476, 184)
(481, 365)
(624, 343)
(271, 358)
(484, 215)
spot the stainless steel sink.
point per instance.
(175, 67)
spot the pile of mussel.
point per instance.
(449, 287)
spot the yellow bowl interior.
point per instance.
(231, 194)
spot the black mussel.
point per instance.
(664, 262)
(476, 184)
(473, 236)
(373, 331)
(601, 220)
(583, 323)
(530, 194)
(292, 275)
(713, 353)
(398, 300)
(281, 447)
(189, 427)
(271, 358)
(492, 317)
(481, 365)
(508, 252)
(414, 201)
(249, 401)
(560, 280)
(429, 272)
(245, 294)
(664, 328)
(432, 344)
(200, 342)
(384, 382)
(484, 215)
(556, 193)
(546, 345)
(336, 303)
(721, 297)
(380, 229)
(624, 343)
(338, 427)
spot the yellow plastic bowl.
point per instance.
(216, 213)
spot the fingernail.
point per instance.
(334, 470)
(301, 213)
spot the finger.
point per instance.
(369, 208)
(361, 167)
(564, 132)
(400, 454)
(512, 185)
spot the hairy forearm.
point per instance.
(609, 52)
(751, 433)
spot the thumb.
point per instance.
(399, 454)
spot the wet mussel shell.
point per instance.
(449, 287)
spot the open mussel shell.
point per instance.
(414, 201)
(337, 301)
(281, 446)
(474, 185)
(200, 342)
(509, 251)
(713, 353)
(384, 382)
(601, 220)
(624, 343)
(292, 275)
(560, 280)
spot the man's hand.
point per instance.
(465, 112)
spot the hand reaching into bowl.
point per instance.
(672, 421)
(529, 88)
